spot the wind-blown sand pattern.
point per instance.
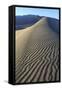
(37, 53)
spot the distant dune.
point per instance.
(25, 21)
(37, 53)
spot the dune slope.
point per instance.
(37, 53)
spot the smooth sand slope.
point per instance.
(37, 53)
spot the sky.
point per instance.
(54, 13)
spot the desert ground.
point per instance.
(37, 53)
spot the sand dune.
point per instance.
(37, 53)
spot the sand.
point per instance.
(37, 53)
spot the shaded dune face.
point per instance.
(37, 53)
(54, 24)
(26, 21)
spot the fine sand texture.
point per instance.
(37, 53)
